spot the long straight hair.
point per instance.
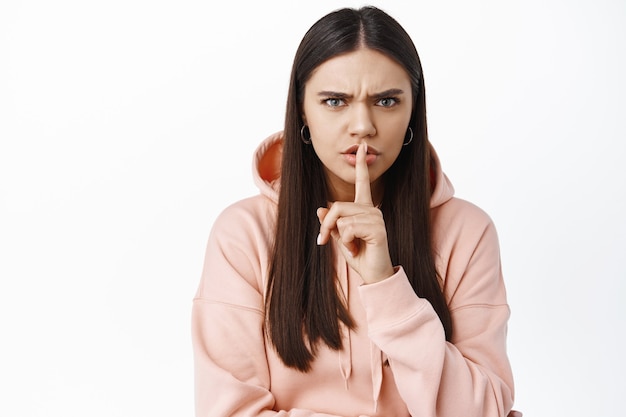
(303, 305)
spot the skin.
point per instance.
(358, 102)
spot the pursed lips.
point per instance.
(349, 155)
(352, 150)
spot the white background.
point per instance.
(126, 126)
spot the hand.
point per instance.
(358, 228)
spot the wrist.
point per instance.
(383, 275)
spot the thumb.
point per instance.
(321, 213)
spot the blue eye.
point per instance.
(387, 102)
(334, 102)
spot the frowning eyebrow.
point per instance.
(383, 94)
(388, 93)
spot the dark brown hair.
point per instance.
(303, 306)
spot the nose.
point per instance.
(361, 122)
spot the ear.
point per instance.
(303, 117)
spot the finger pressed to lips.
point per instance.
(362, 192)
(329, 217)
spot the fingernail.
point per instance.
(365, 147)
(319, 238)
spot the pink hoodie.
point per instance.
(238, 373)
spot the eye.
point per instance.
(387, 102)
(333, 102)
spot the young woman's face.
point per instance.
(361, 96)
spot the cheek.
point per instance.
(398, 135)
(397, 153)
(324, 150)
(319, 125)
(394, 147)
(321, 122)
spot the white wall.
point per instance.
(127, 125)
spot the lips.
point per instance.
(352, 150)
(349, 155)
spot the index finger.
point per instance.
(362, 191)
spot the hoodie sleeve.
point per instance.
(471, 375)
(230, 363)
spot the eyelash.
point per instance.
(396, 101)
(326, 101)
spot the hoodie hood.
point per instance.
(267, 162)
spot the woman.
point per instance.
(355, 284)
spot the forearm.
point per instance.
(435, 377)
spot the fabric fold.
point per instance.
(377, 373)
(345, 354)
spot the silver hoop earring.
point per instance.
(305, 135)
(410, 139)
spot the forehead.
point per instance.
(363, 68)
